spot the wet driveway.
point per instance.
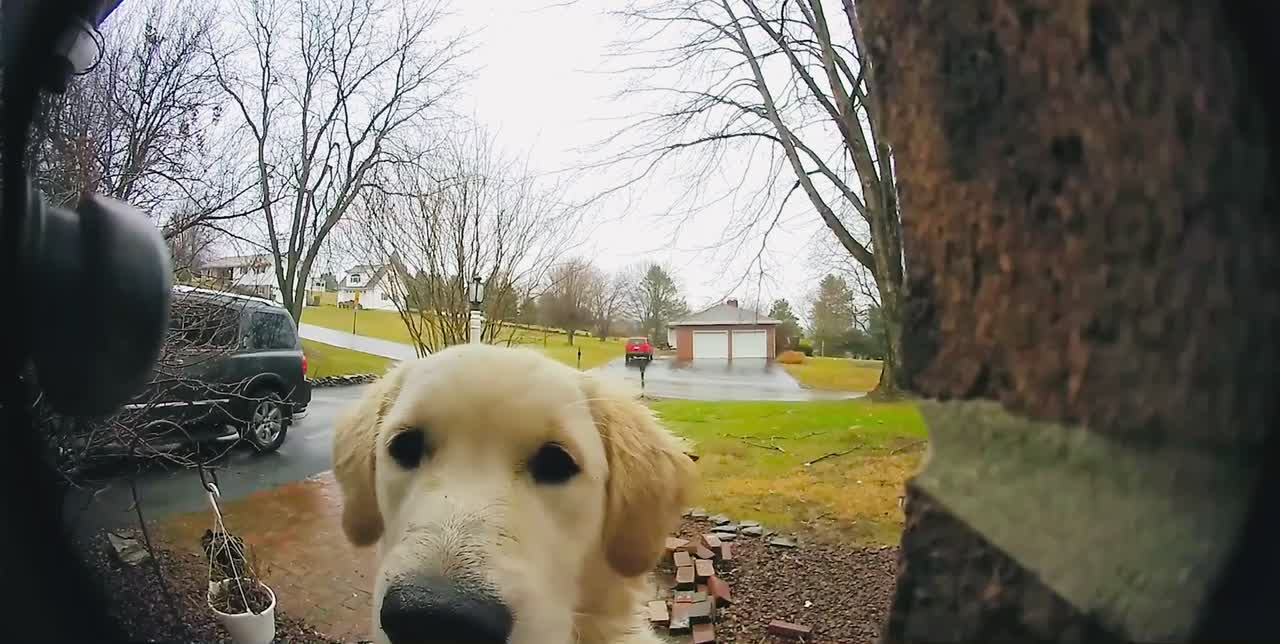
(664, 378)
(718, 380)
(306, 452)
(286, 505)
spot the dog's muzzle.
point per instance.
(437, 609)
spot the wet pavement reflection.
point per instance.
(741, 379)
(295, 533)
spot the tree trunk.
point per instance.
(888, 384)
(1091, 214)
(293, 302)
(886, 239)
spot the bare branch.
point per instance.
(439, 219)
(147, 126)
(334, 93)
(726, 95)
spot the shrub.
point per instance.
(791, 357)
(805, 347)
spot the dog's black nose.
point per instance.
(435, 609)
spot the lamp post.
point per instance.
(476, 295)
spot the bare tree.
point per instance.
(608, 298)
(749, 72)
(466, 210)
(829, 257)
(144, 126)
(574, 288)
(190, 249)
(325, 88)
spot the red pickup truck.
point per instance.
(639, 349)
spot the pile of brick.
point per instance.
(699, 588)
(699, 591)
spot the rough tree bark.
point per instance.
(1091, 230)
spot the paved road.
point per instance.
(718, 380)
(384, 348)
(665, 378)
(305, 452)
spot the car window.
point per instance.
(271, 331)
(637, 340)
(202, 326)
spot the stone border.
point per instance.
(344, 380)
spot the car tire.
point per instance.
(267, 422)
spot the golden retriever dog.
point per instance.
(511, 498)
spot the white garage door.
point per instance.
(711, 345)
(750, 344)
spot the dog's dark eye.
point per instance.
(552, 464)
(407, 448)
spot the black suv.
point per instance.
(232, 369)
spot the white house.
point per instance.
(372, 283)
(248, 274)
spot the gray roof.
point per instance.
(371, 275)
(725, 314)
(233, 261)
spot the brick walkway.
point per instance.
(295, 533)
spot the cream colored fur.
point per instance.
(571, 560)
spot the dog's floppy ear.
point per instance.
(650, 478)
(355, 446)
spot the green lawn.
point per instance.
(836, 374)
(594, 351)
(388, 326)
(328, 360)
(754, 455)
(377, 324)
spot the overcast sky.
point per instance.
(543, 82)
(545, 76)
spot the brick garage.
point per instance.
(725, 332)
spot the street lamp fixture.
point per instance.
(476, 295)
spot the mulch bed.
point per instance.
(842, 592)
(140, 605)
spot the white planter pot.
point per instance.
(246, 628)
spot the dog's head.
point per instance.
(495, 481)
